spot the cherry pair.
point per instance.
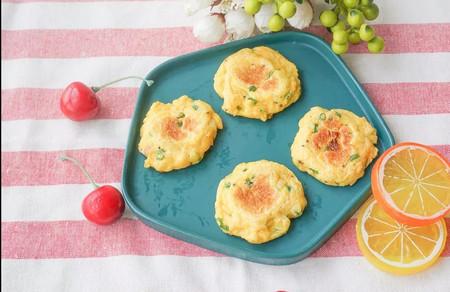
(78, 102)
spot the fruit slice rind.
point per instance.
(384, 197)
(438, 247)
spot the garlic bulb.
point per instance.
(239, 24)
(303, 16)
(209, 29)
(192, 6)
(263, 16)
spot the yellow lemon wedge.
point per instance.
(394, 247)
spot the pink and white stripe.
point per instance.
(23, 240)
(118, 103)
(132, 42)
(46, 243)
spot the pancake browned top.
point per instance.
(257, 83)
(177, 134)
(257, 200)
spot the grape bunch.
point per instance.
(283, 10)
(346, 22)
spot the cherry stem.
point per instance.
(98, 88)
(80, 166)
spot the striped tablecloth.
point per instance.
(46, 243)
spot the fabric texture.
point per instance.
(47, 245)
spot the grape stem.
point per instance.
(98, 88)
(81, 167)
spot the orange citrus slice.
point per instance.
(394, 247)
(411, 182)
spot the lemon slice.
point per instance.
(412, 183)
(394, 247)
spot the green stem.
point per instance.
(80, 166)
(98, 88)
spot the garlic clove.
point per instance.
(209, 29)
(303, 16)
(239, 24)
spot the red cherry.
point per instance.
(104, 205)
(79, 102)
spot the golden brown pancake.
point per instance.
(177, 135)
(257, 200)
(257, 83)
(335, 146)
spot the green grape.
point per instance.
(366, 2)
(340, 25)
(366, 32)
(252, 6)
(354, 38)
(355, 18)
(276, 23)
(376, 45)
(328, 18)
(370, 12)
(339, 48)
(287, 9)
(340, 37)
(351, 3)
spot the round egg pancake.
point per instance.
(334, 146)
(177, 135)
(257, 200)
(257, 83)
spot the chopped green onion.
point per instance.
(227, 185)
(180, 124)
(298, 213)
(252, 99)
(288, 188)
(160, 154)
(195, 107)
(354, 156)
(314, 170)
(338, 114)
(322, 116)
(270, 74)
(244, 170)
(181, 115)
(252, 88)
(316, 126)
(288, 95)
(221, 225)
(249, 182)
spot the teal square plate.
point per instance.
(181, 203)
